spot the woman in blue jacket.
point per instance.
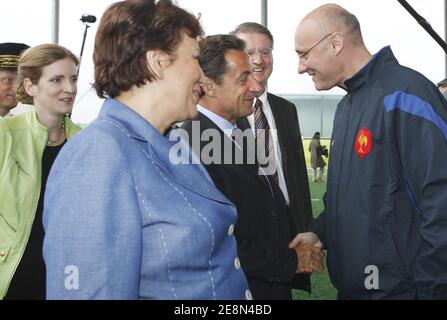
(122, 220)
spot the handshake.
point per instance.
(309, 250)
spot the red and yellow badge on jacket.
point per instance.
(363, 143)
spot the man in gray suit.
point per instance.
(288, 147)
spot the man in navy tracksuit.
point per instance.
(385, 219)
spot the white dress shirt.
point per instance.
(226, 126)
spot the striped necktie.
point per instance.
(265, 150)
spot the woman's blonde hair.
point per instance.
(32, 62)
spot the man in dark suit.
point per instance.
(262, 230)
(282, 116)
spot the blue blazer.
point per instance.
(123, 221)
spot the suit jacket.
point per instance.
(262, 228)
(294, 168)
(135, 224)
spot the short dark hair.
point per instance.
(253, 27)
(128, 29)
(442, 83)
(212, 54)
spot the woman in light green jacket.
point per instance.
(29, 143)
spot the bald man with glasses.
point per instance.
(384, 223)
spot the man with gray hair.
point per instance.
(385, 220)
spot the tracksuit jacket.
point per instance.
(385, 218)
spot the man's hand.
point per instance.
(309, 251)
(309, 238)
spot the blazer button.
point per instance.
(231, 230)
(273, 213)
(2, 253)
(237, 263)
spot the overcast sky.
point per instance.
(383, 22)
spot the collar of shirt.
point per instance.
(372, 69)
(266, 109)
(263, 98)
(226, 126)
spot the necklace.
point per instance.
(59, 135)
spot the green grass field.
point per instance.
(322, 288)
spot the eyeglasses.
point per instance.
(264, 52)
(305, 55)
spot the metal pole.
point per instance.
(424, 24)
(321, 114)
(55, 22)
(264, 13)
(82, 46)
